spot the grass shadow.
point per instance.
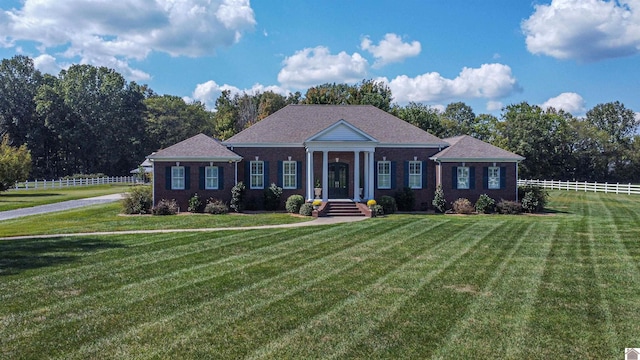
(20, 255)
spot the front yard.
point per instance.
(563, 285)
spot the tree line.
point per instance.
(91, 120)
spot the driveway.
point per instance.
(61, 206)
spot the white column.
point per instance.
(356, 176)
(310, 184)
(371, 194)
(365, 180)
(325, 176)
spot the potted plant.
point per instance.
(317, 191)
(316, 204)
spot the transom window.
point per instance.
(415, 174)
(211, 178)
(494, 178)
(177, 178)
(289, 175)
(384, 174)
(257, 175)
(463, 177)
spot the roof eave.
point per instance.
(196, 158)
(440, 159)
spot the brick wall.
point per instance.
(506, 193)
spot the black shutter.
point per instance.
(220, 177)
(454, 177)
(472, 177)
(406, 174)
(424, 175)
(503, 177)
(167, 178)
(187, 177)
(298, 174)
(280, 181)
(393, 174)
(485, 177)
(201, 177)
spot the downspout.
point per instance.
(517, 162)
(236, 173)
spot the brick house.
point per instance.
(341, 152)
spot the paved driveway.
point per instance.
(61, 206)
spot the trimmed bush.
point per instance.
(306, 209)
(388, 204)
(272, 197)
(166, 207)
(376, 210)
(216, 207)
(509, 207)
(293, 204)
(237, 197)
(439, 202)
(138, 201)
(485, 204)
(405, 199)
(463, 206)
(534, 198)
(195, 204)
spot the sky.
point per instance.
(569, 54)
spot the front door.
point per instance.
(338, 180)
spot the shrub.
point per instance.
(377, 210)
(237, 197)
(216, 207)
(534, 198)
(485, 204)
(509, 207)
(195, 204)
(166, 207)
(439, 202)
(306, 209)
(463, 206)
(405, 199)
(388, 204)
(138, 201)
(272, 197)
(293, 204)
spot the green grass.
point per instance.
(563, 285)
(108, 217)
(17, 199)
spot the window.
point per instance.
(211, 178)
(463, 177)
(177, 178)
(257, 175)
(493, 179)
(384, 174)
(289, 175)
(415, 174)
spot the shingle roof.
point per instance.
(467, 148)
(294, 124)
(198, 147)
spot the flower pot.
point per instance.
(317, 192)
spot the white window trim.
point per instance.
(176, 178)
(496, 179)
(252, 174)
(216, 184)
(293, 165)
(387, 175)
(467, 177)
(415, 176)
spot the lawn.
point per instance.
(17, 199)
(561, 285)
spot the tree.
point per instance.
(15, 163)
(225, 116)
(458, 119)
(420, 115)
(368, 92)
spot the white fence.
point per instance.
(613, 188)
(62, 183)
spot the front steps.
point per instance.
(341, 208)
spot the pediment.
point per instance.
(341, 131)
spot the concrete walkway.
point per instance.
(61, 206)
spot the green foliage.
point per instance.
(439, 202)
(463, 206)
(237, 197)
(306, 209)
(293, 204)
(216, 207)
(15, 163)
(369, 92)
(534, 198)
(509, 207)
(423, 116)
(272, 196)
(405, 199)
(388, 204)
(376, 210)
(485, 204)
(165, 207)
(138, 200)
(195, 204)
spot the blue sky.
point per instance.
(570, 54)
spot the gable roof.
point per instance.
(295, 124)
(467, 148)
(199, 148)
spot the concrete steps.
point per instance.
(342, 208)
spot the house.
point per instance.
(347, 152)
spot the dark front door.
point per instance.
(338, 180)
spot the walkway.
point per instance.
(61, 206)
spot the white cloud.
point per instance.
(47, 64)
(110, 33)
(489, 81)
(494, 105)
(208, 92)
(313, 66)
(390, 49)
(569, 102)
(585, 30)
